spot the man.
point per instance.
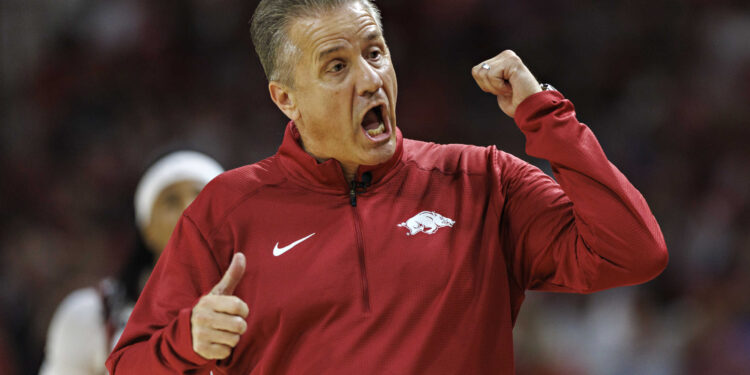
(354, 250)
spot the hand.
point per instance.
(218, 319)
(508, 78)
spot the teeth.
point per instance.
(377, 131)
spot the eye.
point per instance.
(375, 54)
(171, 200)
(336, 67)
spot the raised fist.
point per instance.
(508, 78)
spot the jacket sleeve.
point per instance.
(157, 338)
(593, 230)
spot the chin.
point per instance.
(380, 154)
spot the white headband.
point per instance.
(177, 166)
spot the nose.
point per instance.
(368, 79)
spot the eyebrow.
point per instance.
(329, 51)
(369, 37)
(373, 35)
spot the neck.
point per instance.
(350, 170)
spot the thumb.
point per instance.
(232, 277)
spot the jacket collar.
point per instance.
(303, 168)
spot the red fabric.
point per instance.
(362, 296)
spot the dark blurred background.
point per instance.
(91, 91)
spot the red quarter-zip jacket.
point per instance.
(421, 272)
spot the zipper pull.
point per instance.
(356, 185)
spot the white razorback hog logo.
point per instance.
(426, 221)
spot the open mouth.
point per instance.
(373, 122)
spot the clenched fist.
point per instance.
(218, 319)
(508, 78)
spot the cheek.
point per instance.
(394, 91)
(334, 109)
(166, 221)
(391, 84)
(323, 104)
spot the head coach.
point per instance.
(353, 250)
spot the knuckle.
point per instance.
(200, 333)
(223, 303)
(477, 70)
(204, 303)
(237, 303)
(243, 326)
(239, 306)
(212, 299)
(239, 325)
(200, 318)
(233, 340)
(245, 310)
(222, 352)
(200, 347)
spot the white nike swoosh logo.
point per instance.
(281, 250)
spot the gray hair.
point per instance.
(269, 29)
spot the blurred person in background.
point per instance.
(88, 85)
(355, 250)
(89, 321)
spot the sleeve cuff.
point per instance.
(542, 102)
(183, 339)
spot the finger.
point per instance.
(208, 318)
(229, 323)
(480, 76)
(499, 78)
(223, 338)
(500, 85)
(512, 67)
(212, 351)
(475, 70)
(483, 77)
(231, 305)
(206, 335)
(232, 277)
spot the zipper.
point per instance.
(356, 188)
(361, 255)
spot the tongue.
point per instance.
(371, 120)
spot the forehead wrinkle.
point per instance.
(374, 35)
(369, 21)
(310, 31)
(369, 36)
(309, 27)
(329, 45)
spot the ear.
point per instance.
(284, 99)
